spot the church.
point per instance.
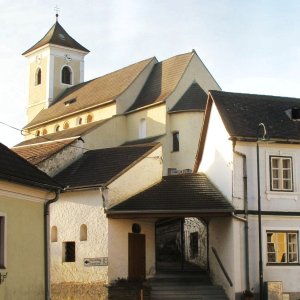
(151, 183)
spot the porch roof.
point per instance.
(177, 195)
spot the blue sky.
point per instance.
(248, 46)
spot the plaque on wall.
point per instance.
(273, 290)
(96, 262)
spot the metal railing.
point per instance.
(221, 266)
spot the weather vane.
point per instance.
(56, 9)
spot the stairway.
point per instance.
(184, 286)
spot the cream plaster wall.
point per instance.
(118, 246)
(68, 214)
(112, 133)
(155, 117)
(144, 174)
(288, 274)
(218, 155)
(189, 125)
(195, 72)
(24, 242)
(127, 98)
(98, 114)
(226, 236)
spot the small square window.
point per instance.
(175, 147)
(281, 171)
(69, 251)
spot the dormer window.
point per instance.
(66, 125)
(70, 101)
(66, 75)
(38, 76)
(79, 121)
(89, 118)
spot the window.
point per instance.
(45, 131)
(175, 147)
(89, 118)
(38, 76)
(2, 242)
(281, 173)
(142, 128)
(79, 121)
(66, 125)
(53, 234)
(68, 251)
(282, 247)
(38, 133)
(56, 128)
(83, 232)
(194, 244)
(66, 75)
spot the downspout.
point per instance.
(46, 244)
(246, 227)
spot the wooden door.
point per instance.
(136, 256)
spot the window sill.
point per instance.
(282, 195)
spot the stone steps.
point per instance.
(185, 286)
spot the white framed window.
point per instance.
(38, 76)
(142, 128)
(2, 241)
(282, 247)
(281, 173)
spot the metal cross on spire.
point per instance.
(56, 9)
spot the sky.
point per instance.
(248, 46)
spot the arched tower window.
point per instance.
(83, 232)
(56, 128)
(142, 128)
(89, 118)
(53, 234)
(45, 131)
(66, 75)
(38, 133)
(38, 76)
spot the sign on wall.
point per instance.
(96, 262)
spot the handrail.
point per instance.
(221, 266)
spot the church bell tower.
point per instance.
(56, 63)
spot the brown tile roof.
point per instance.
(147, 140)
(192, 193)
(16, 169)
(162, 80)
(193, 99)
(92, 93)
(57, 36)
(98, 167)
(37, 153)
(64, 134)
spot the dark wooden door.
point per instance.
(136, 256)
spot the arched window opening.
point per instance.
(45, 131)
(38, 76)
(53, 234)
(66, 75)
(57, 128)
(79, 121)
(89, 118)
(66, 125)
(38, 133)
(142, 128)
(83, 232)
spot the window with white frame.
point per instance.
(281, 169)
(282, 247)
(2, 242)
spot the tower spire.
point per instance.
(56, 9)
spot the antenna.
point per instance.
(56, 9)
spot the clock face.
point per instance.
(67, 58)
